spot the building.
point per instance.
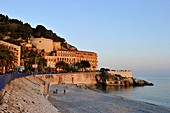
(87, 56)
(15, 49)
(71, 57)
(43, 44)
(57, 45)
(62, 54)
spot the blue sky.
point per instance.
(126, 34)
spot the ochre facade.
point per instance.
(71, 57)
(43, 44)
(15, 49)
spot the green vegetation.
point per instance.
(63, 65)
(17, 29)
(84, 64)
(32, 57)
(7, 59)
(72, 67)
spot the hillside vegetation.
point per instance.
(19, 31)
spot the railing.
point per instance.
(6, 78)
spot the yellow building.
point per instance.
(15, 49)
(57, 45)
(72, 57)
(43, 44)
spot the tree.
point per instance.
(62, 65)
(40, 30)
(3, 28)
(7, 59)
(29, 58)
(42, 62)
(76, 66)
(32, 57)
(1, 36)
(85, 64)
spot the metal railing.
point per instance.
(6, 78)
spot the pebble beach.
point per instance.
(82, 100)
(24, 96)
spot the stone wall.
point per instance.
(123, 73)
(76, 78)
(70, 78)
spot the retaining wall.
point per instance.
(122, 73)
(70, 78)
(77, 78)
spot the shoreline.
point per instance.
(86, 100)
(24, 95)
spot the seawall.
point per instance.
(123, 73)
(79, 77)
(70, 78)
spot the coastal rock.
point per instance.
(107, 79)
(138, 82)
(128, 81)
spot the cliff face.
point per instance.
(25, 95)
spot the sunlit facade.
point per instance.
(71, 57)
(15, 49)
(42, 44)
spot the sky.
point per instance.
(126, 34)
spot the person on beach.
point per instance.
(64, 91)
(56, 91)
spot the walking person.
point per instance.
(64, 90)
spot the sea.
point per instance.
(159, 94)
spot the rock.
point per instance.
(148, 84)
(130, 80)
(138, 82)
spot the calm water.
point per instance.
(158, 94)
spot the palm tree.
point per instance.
(42, 62)
(7, 58)
(29, 58)
(32, 57)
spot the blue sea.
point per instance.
(159, 94)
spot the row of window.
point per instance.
(61, 59)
